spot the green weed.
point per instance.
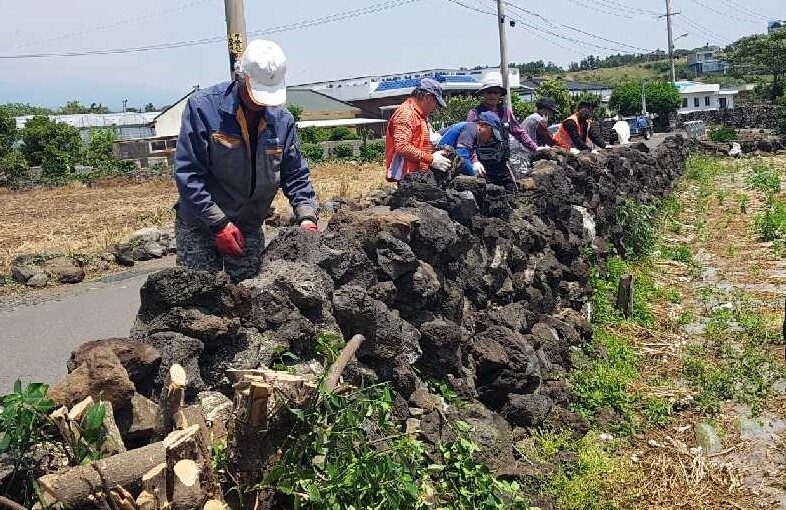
(771, 224)
(639, 229)
(765, 179)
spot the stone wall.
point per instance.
(744, 117)
(469, 286)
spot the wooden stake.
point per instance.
(171, 400)
(625, 295)
(346, 354)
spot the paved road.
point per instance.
(38, 334)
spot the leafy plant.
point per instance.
(313, 152)
(340, 133)
(373, 151)
(55, 146)
(765, 179)
(346, 452)
(329, 345)
(91, 435)
(442, 389)
(24, 422)
(342, 151)
(771, 224)
(639, 229)
(722, 134)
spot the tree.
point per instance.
(556, 90)
(762, 54)
(22, 109)
(626, 98)
(456, 110)
(149, 108)
(599, 110)
(13, 168)
(8, 132)
(296, 111)
(99, 150)
(132, 109)
(74, 107)
(663, 99)
(520, 109)
(53, 145)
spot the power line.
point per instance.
(593, 8)
(78, 33)
(552, 23)
(222, 38)
(721, 13)
(746, 11)
(535, 28)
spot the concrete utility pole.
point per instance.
(236, 31)
(671, 41)
(643, 97)
(503, 52)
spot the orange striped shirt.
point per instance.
(407, 143)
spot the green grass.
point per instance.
(771, 224)
(764, 178)
(592, 481)
(733, 363)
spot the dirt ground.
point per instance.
(81, 219)
(732, 268)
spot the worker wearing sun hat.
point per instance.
(237, 146)
(491, 92)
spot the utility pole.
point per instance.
(671, 41)
(503, 52)
(643, 98)
(236, 31)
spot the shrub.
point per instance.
(13, 169)
(639, 229)
(313, 134)
(765, 179)
(722, 134)
(55, 146)
(312, 151)
(373, 151)
(771, 224)
(342, 151)
(340, 133)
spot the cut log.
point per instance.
(113, 443)
(187, 492)
(78, 411)
(13, 505)
(122, 499)
(75, 486)
(346, 354)
(171, 400)
(215, 504)
(154, 494)
(188, 417)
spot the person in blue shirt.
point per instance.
(237, 146)
(481, 144)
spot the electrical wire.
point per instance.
(535, 28)
(555, 24)
(593, 8)
(721, 13)
(746, 11)
(210, 40)
(97, 28)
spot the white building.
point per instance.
(375, 87)
(126, 125)
(704, 96)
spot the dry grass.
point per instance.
(676, 473)
(80, 219)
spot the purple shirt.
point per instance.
(506, 116)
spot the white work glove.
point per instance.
(596, 151)
(574, 150)
(543, 148)
(435, 137)
(479, 169)
(440, 162)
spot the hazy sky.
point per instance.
(416, 35)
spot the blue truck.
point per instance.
(640, 125)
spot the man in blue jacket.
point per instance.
(473, 140)
(237, 146)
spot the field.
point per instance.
(81, 219)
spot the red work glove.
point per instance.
(309, 226)
(230, 240)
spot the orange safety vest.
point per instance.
(563, 138)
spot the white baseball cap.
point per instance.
(265, 67)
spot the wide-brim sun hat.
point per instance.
(265, 67)
(492, 81)
(492, 119)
